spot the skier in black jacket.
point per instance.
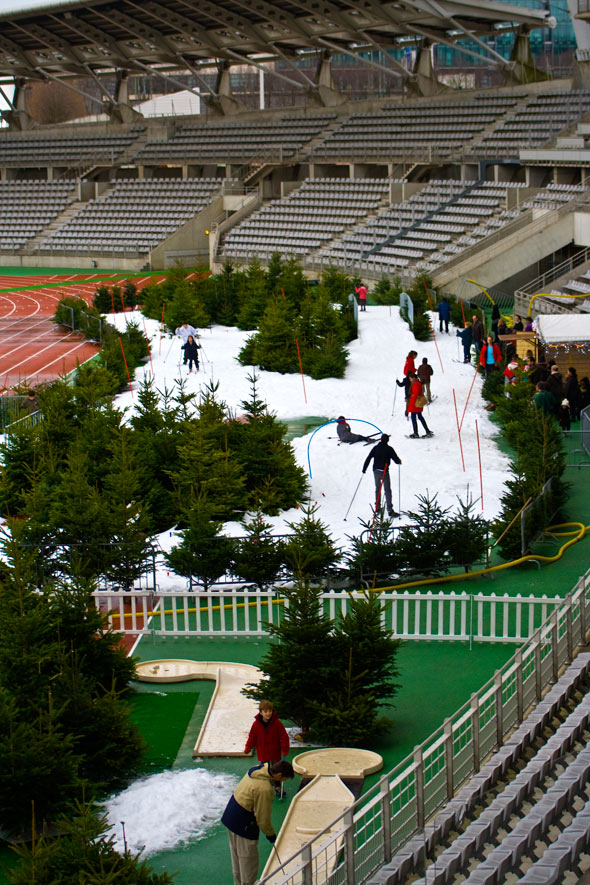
(191, 353)
(382, 454)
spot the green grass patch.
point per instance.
(162, 713)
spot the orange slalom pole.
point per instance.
(148, 347)
(301, 369)
(126, 366)
(462, 311)
(122, 302)
(469, 394)
(162, 325)
(458, 430)
(479, 459)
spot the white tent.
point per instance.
(563, 328)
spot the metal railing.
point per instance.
(523, 295)
(89, 325)
(364, 837)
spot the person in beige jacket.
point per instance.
(249, 811)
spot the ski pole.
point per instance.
(169, 349)
(354, 496)
(399, 489)
(394, 398)
(204, 354)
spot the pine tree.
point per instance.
(254, 297)
(467, 537)
(273, 274)
(157, 431)
(229, 283)
(300, 665)
(273, 480)
(423, 545)
(367, 653)
(207, 468)
(292, 284)
(129, 546)
(81, 852)
(258, 556)
(203, 554)
(374, 555)
(102, 299)
(61, 677)
(274, 343)
(79, 516)
(310, 552)
(130, 294)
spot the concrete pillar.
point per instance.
(523, 68)
(223, 102)
(426, 82)
(324, 94)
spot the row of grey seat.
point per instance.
(545, 812)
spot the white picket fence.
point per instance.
(439, 615)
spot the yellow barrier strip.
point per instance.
(204, 608)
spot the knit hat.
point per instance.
(565, 402)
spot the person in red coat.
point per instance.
(490, 356)
(414, 409)
(361, 291)
(268, 735)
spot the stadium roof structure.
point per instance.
(69, 38)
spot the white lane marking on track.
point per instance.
(43, 349)
(58, 359)
(15, 326)
(10, 301)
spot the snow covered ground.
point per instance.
(365, 394)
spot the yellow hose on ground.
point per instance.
(578, 535)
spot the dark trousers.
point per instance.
(420, 417)
(382, 483)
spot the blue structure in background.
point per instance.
(543, 41)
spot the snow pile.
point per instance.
(168, 809)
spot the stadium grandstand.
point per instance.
(385, 139)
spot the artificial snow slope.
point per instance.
(365, 394)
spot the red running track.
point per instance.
(33, 349)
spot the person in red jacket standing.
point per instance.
(268, 735)
(361, 291)
(490, 356)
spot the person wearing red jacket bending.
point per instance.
(268, 735)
